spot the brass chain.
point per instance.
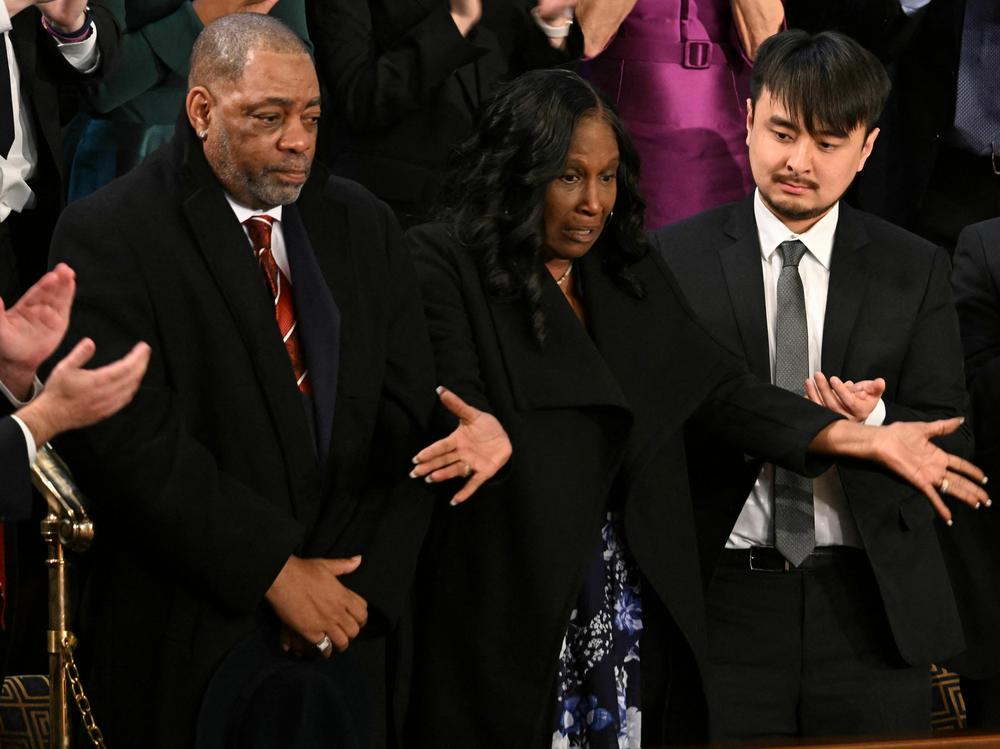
(80, 697)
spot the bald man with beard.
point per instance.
(258, 528)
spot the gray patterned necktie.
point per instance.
(977, 99)
(794, 522)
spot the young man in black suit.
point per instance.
(830, 597)
(254, 503)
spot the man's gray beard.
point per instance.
(265, 192)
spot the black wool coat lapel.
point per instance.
(229, 259)
(320, 320)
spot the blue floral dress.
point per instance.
(598, 683)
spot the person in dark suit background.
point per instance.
(267, 453)
(824, 626)
(31, 415)
(44, 44)
(934, 171)
(406, 80)
(972, 553)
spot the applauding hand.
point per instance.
(854, 400)
(32, 328)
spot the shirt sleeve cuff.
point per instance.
(912, 6)
(29, 440)
(36, 388)
(85, 56)
(877, 417)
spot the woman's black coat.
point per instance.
(594, 415)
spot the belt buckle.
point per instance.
(762, 564)
(697, 55)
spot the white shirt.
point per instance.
(835, 525)
(19, 166)
(277, 235)
(912, 6)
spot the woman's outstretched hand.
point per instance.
(905, 449)
(475, 451)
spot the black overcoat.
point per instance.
(218, 471)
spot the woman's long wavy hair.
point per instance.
(495, 194)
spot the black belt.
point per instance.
(769, 559)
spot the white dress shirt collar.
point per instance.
(818, 239)
(244, 212)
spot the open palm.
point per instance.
(32, 328)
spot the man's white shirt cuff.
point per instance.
(877, 417)
(84, 56)
(36, 388)
(912, 6)
(29, 440)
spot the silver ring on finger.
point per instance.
(325, 644)
(944, 485)
(467, 472)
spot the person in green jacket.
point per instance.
(132, 112)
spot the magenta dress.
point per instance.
(677, 75)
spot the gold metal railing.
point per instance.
(66, 526)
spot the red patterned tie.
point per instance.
(259, 229)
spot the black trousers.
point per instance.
(807, 653)
(982, 702)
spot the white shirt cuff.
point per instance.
(29, 440)
(877, 417)
(84, 56)
(912, 6)
(36, 388)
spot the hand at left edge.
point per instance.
(33, 327)
(65, 16)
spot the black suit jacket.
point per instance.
(889, 314)
(405, 88)
(972, 553)
(206, 483)
(595, 422)
(43, 70)
(15, 480)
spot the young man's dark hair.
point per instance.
(827, 81)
